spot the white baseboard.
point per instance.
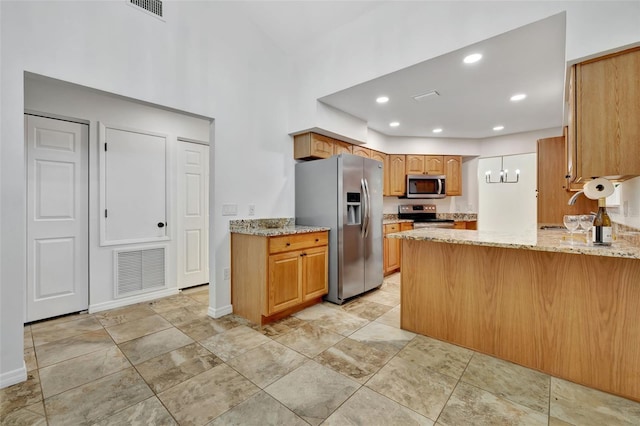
(132, 300)
(219, 312)
(12, 377)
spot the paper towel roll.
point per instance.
(598, 188)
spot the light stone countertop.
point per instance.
(272, 227)
(541, 240)
(392, 221)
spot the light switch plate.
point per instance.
(229, 209)
(227, 273)
(252, 209)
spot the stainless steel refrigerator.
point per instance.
(344, 192)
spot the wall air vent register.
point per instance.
(151, 6)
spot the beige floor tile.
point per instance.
(78, 371)
(260, 409)
(32, 415)
(471, 405)
(206, 327)
(20, 395)
(196, 289)
(181, 316)
(28, 339)
(365, 309)
(172, 368)
(354, 359)
(414, 386)
(147, 347)
(234, 342)
(383, 298)
(391, 286)
(436, 355)
(510, 381)
(332, 318)
(207, 395)
(553, 421)
(147, 412)
(583, 406)
(383, 337)
(30, 359)
(367, 407)
(98, 399)
(202, 297)
(141, 327)
(58, 320)
(312, 391)
(393, 278)
(267, 363)
(173, 302)
(50, 332)
(279, 328)
(310, 340)
(391, 318)
(123, 315)
(61, 350)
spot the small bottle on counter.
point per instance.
(602, 230)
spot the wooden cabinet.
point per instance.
(340, 147)
(384, 159)
(391, 249)
(414, 164)
(397, 176)
(466, 224)
(361, 151)
(434, 164)
(552, 194)
(272, 277)
(604, 109)
(453, 173)
(312, 146)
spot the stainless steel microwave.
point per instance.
(426, 186)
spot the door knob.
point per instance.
(160, 224)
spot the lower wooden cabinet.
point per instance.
(392, 247)
(466, 224)
(272, 277)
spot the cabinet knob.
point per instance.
(317, 239)
(288, 244)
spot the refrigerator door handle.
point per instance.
(367, 199)
(365, 208)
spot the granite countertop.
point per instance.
(541, 240)
(392, 218)
(392, 221)
(272, 227)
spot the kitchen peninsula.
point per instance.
(567, 310)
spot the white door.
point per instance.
(193, 208)
(57, 217)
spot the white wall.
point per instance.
(206, 59)
(628, 213)
(72, 101)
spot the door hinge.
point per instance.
(105, 213)
(105, 147)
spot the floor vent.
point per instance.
(139, 271)
(152, 6)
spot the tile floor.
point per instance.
(166, 362)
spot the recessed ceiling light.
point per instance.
(518, 97)
(423, 96)
(394, 124)
(382, 100)
(497, 128)
(438, 130)
(475, 57)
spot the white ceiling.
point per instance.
(473, 98)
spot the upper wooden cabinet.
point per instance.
(361, 151)
(414, 164)
(397, 176)
(384, 159)
(434, 164)
(604, 131)
(552, 195)
(312, 145)
(340, 147)
(453, 173)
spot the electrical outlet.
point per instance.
(252, 209)
(229, 209)
(227, 273)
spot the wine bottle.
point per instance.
(602, 231)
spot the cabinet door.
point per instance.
(414, 164)
(384, 159)
(391, 248)
(321, 146)
(434, 164)
(397, 177)
(361, 151)
(340, 147)
(406, 226)
(606, 115)
(453, 172)
(314, 273)
(285, 281)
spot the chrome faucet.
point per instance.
(573, 199)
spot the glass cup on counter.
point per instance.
(571, 222)
(586, 223)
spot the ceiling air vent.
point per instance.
(151, 6)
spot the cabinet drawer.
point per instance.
(393, 227)
(297, 242)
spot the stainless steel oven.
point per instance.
(423, 216)
(426, 186)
